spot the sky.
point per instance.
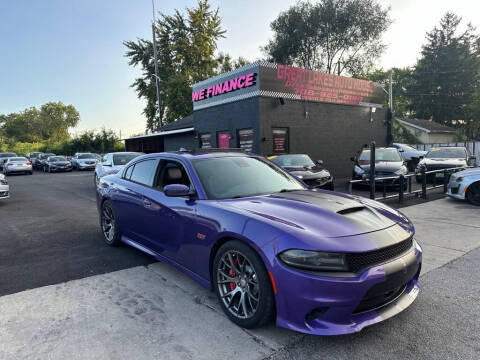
(72, 50)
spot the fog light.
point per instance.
(316, 313)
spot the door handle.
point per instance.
(147, 203)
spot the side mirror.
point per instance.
(401, 150)
(106, 164)
(353, 159)
(421, 157)
(320, 162)
(175, 190)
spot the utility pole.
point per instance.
(156, 62)
(390, 111)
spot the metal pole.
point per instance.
(402, 188)
(390, 112)
(372, 170)
(156, 63)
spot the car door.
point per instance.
(130, 203)
(170, 222)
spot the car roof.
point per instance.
(191, 155)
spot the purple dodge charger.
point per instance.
(315, 261)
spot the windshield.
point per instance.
(447, 153)
(57, 158)
(18, 159)
(387, 155)
(234, 177)
(44, 156)
(122, 159)
(303, 161)
(7, 155)
(406, 147)
(86, 156)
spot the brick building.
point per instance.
(273, 109)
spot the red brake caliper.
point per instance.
(233, 274)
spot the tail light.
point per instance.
(9, 164)
(28, 163)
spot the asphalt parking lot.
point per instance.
(49, 233)
(116, 303)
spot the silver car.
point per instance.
(17, 165)
(4, 188)
(4, 156)
(84, 161)
(465, 185)
(113, 163)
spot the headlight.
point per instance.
(3, 181)
(358, 170)
(402, 171)
(314, 260)
(299, 176)
(460, 179)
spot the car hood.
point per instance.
(468, 172)
(110, 170)
(382, 166)
(322, 214)
(446, 161)
(313, 173)
(86, 160)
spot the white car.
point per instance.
(4, 188)
(17, 165)
(112, 163)
(465, 185)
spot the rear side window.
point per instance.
(128, 172)
(143, 172)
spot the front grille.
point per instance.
(3, 193)
(359, 261)
(376, 301)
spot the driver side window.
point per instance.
(171, 172)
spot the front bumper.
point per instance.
(4, 192)
(86, 166)
(60, 169)
(456, 190)
(344, 304)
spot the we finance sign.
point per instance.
(225, 87)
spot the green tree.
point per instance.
(446, 75)
(402, 80)
(51, 122)
(333, 36)
(186, 46)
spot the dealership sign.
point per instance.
(283, 81)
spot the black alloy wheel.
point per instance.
(242, 285)
(473, 193)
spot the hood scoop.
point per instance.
(350, 210)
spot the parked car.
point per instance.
(465, 185)
(315, 261)
(388, 163)
(113, 163)
(32, 156)
(4, 156)
(17, 165)
(4, 188)
(57, 164)
(84, 161)
(411, 155)
(40, 160)
(443, 158)
(302, 166)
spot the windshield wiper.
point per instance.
(288, 190)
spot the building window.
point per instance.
(280, 140)
(205, 141)
(245, 139)
(223, 140)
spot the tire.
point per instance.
(108, 218)
(473, 193)
(253, 280)
(30, 173)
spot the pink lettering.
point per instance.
(241, 81)
(218, 89)
(280, 71)
(233, 84)
(250, 80)
(202, 94)
(225, 87)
